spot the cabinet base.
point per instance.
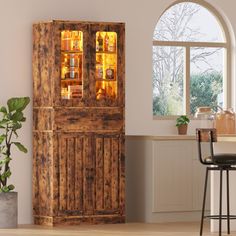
(76, 220)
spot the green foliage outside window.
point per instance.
(204, 91)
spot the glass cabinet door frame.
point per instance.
(89, 30)
(58, 29)
(120, 68)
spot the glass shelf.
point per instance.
(71, 80)
(71, 51)
(104, 52)
(106, 80)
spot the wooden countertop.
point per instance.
(221, 138)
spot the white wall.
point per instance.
(140, 16)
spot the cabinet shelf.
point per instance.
(71, 80)
(106, 80)
(101, 65)
(77, 66)
(105, 52)
(71, 51)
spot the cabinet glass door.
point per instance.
(71, 64)
(106, 65)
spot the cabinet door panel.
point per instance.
(107, 174)
(99, 173)
(79, 173)
(72, 184)
(88, 167)
(172, 178)
(115, 173)
(89, 173)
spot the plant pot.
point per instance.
(8, 210)
(182, 129)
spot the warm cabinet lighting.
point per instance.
(71, 64)
(106, 65)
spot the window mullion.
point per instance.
(187, 81)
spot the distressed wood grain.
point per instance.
(78, 144)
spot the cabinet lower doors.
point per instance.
(90, 176)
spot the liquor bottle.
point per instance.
(99, 67)
(72, 60)
(100, 42)
(112, 43)
(65, 60)
(63, 72)
(66, 40)
(110, 73)
(66, 73)
(72, 72)
(106, 42)
(75, 41)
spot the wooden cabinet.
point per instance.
(78, 123)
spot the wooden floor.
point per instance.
(130, 229)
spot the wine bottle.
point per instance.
(106, 42)
(100, 42)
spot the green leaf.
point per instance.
(17, 103)
(2, 138)
(11, 187)
(21, 147)
(5, 175)
(182, 120)
(5, 160)
(3, 122)
(3, 110)
(17, 116)
(2, 176)
(5, 189)
(16, 126)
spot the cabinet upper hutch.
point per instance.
(78, 122)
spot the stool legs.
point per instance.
(204, 201)
(228, 213)
(219, 216)
(220, 207)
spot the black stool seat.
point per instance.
(222, 162)
(221, 159)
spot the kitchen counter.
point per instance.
(221, 138)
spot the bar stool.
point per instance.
(215, 162)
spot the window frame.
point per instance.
(187, 45)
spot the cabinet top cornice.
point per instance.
(78, 22)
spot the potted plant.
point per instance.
(182, 124)
(11, 120)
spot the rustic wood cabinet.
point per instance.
(78, 123)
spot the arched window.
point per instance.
(191, 60)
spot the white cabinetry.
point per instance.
(165, 180)
(178, 176)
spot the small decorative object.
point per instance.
(206, 117)
(225, 121)
(11, 121)
(182, 124)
